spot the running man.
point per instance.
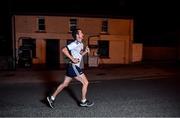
(74, 51)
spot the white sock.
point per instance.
(84, 100)
(52, 98)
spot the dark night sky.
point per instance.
(149, 14)
(156, 22)
(115, 7)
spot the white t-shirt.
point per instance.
(75, 48)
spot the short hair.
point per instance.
(75, 32)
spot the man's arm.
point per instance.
(66, 52)
(87, 50)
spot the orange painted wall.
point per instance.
(120, 27)
(25, 24)
(120, 35)
(137, 52)
(118, 49)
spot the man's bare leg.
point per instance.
(51, 98)
(82, 78)
(66, 82)
(84, 102)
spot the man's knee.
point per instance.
(65, 84)
(86, 83)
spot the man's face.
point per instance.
(80, 35)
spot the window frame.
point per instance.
(73, 22)
(101, 47)
(39, 24)
(104, 26)
(32, 45)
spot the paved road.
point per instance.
(113, 98)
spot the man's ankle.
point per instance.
(52, 98)
(83, 100)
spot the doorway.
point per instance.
(52, 53)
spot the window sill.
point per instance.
(40, 31)
(104, 33)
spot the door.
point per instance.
(52, 53)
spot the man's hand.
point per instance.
(75, 60)
(87, 50)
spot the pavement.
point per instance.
(135, 90)
(130, 71)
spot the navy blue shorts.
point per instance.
(73, 70)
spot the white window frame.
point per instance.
(104, 26)
(39, 24)
(72, 23)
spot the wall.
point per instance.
(120, 27)
(25, 24)
(118, 49)
(137, 52)
(120, 35)
(160, 53)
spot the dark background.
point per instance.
(156, 23)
